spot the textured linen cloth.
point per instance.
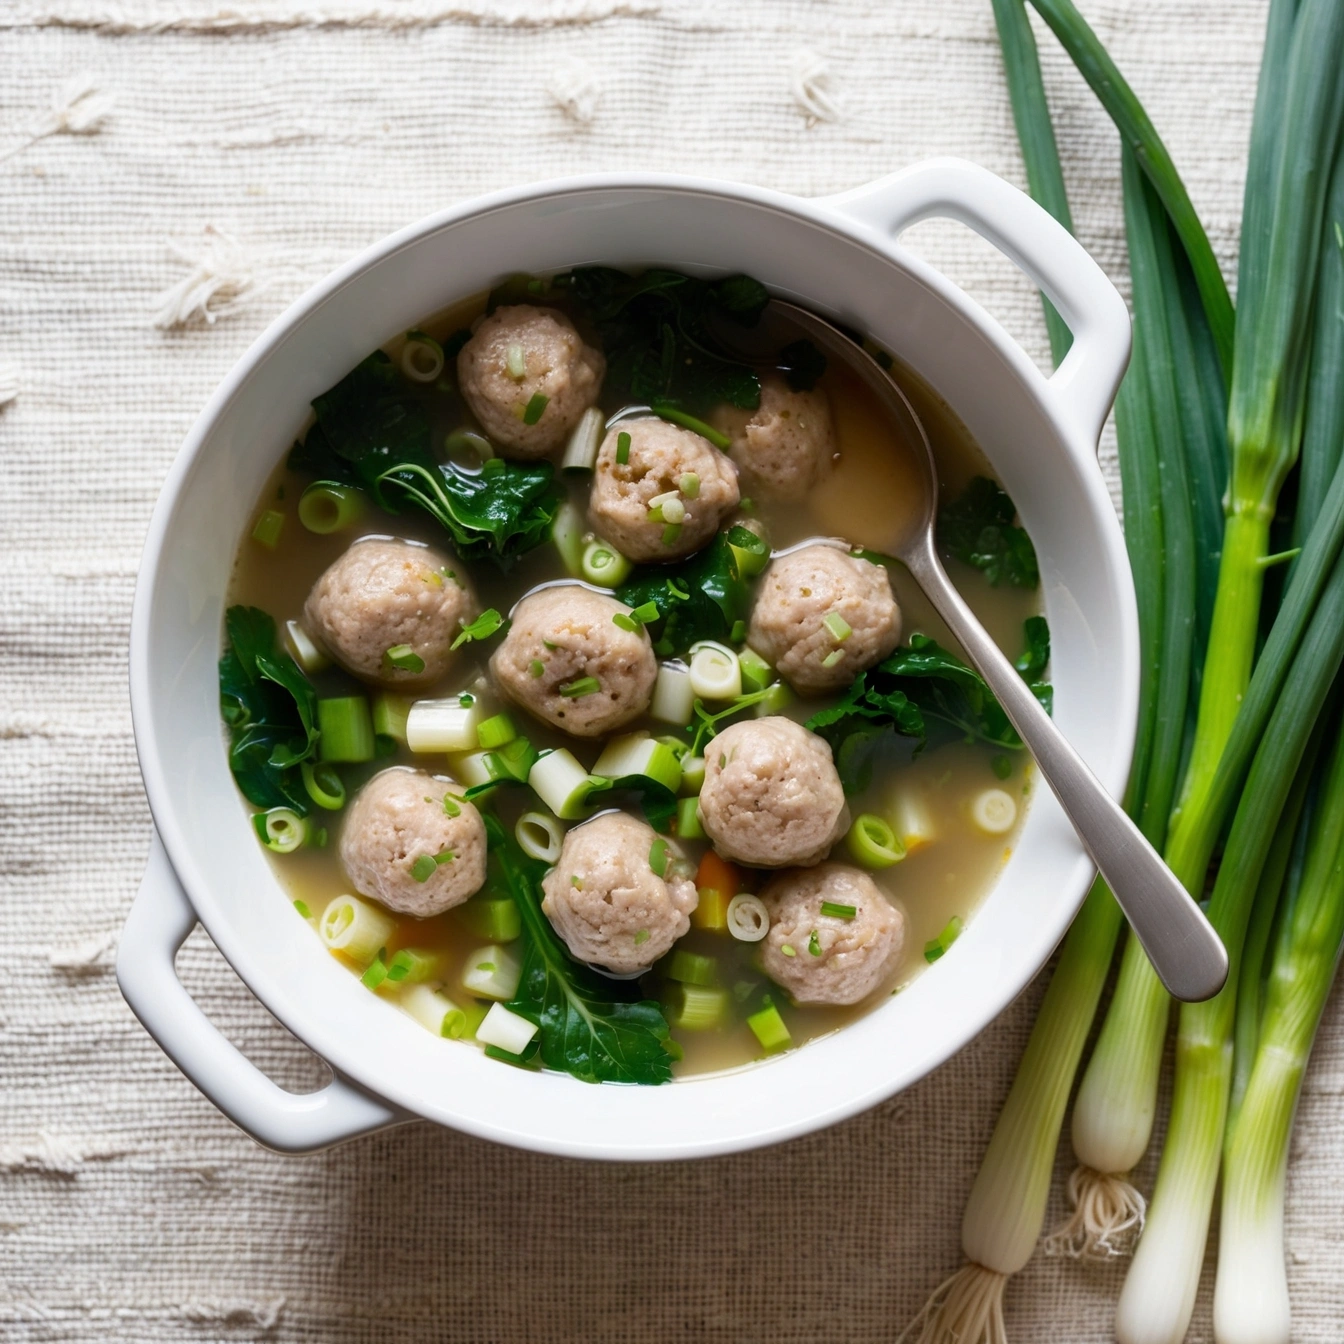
(302, 130)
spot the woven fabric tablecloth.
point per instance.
(300, 131)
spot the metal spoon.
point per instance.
(1181, 944)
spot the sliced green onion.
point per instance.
(814, 944)
(346, 730)
(412, 966)
(692, 774)
(750, 551)
(639, 755)
(326, 507)
(697, 1007)
(434, 1010)
(266, 531)
(581, 450)
(375, 973)
(562, 784)
(738, 633)
(692, 969)
(646, 613)
(323, 785)
(936, 947)
(832, 658)
(355, 928)
(627, 623)
(493, 973)
(536, 668)
(756, 672)
(622, 448)
(421, 357)
(390, 712)
(539, 837)
(581, 686)
(872, 843)
(485, 625)
(658, 857)
(403, 658)
(451, 725)
(467, 449)
(769, 1029)
(673, 511)
(671, 533)
(515, 362)
(535, 408)
(994, 811)
(452, 807)
(839, 627)
(748, 919)
(495, 918)
(716, 671)
(426, 865)
(689, 484)
(604, 565)
(676, 417)
(495, 732)
(689, 825)
(281, 830)
(304, 648)
(302, 908)
(839, 910)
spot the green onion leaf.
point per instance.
(622, 448)
(658, 856)
(485, 625)
(404, 658)
(424, 868)
(575, 690)
(838, 910)
(535, 408)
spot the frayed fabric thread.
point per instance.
(223, 276)
(51, 1154)
(9, 382)
(813, 86)
(576, 91)
(79, 107)
(88, 958)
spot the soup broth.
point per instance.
(950, 863)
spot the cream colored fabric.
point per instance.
(298, 131)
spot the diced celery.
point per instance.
(445, 725)
(496, 732)
(688, 819)
(691, 968)
(389, 715)
(756, 672)
(776, 700)
(673, 699)
(492, 917)
(769, 1029)
(640, 754)
(698, 1008)
(562, 784)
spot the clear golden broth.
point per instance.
(860, 501)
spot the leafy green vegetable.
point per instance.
(374, 432)
(271, 711)
(655, 329)
(702, 598)
(978, 529)
(802, 365)
(597, 1029)
(919, 689)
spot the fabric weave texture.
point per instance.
(299, 131)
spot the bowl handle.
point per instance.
(1083, 387)
(161, 918)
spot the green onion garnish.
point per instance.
(623, 622)
(576, 690)
(837, 910)
(832, 658)
(642, 936)
(645, 612)
(690, 484)
(676, 417)
(1001, 766)
(738, 632)
(377, 971)
(495, 732)
(670, 533)
(622, 449)
(485, 625)
(658, 856)
(515, 361)
(814, 944)
(268, 528)
(424, 868)
(788, 951)
(536, 667)
(936, 947)
(576, 882)
(302, 908)
(535, 408)
(839, 627)
(404, 658)
(451, 808)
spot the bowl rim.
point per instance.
(819, 212)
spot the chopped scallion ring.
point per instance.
(495, 732)
(327, 506)
(646, 612)
(690, 484)
(281, 830)
(267, 529)
(539, 836)
(622, 449)
(536, 667)
(814, 944)
(604, 565)
(467, 449)
(872, 843)
(936, 947)
(627, 623)
(748, 919)
(670, 534)
(839, 627)
(421, 357)
(323, 785)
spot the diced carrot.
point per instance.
(715, 874)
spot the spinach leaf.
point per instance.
(923, 691)
(701, 598)
(270, 709)
(978, 529)
(656, 329)
(374, 433)
(597, 1029)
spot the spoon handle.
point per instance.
(1180, 942)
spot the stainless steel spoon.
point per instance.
(1181, 944)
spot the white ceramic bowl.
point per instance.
(839, 256)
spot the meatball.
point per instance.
(788, 444)
(799, 592)
(410, 843)
(661, 458)
(549, 359)
(567, 661)
(604, 899)
(381, 594)
(771, 796)
(830, 959)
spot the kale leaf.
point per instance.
(978, 529)
(271, 711)
(701, 598)
(597, 1029)
(374, 433)
(923, 691)
(656, 329)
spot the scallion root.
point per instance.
(965, 1309)
(1106, 1221)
